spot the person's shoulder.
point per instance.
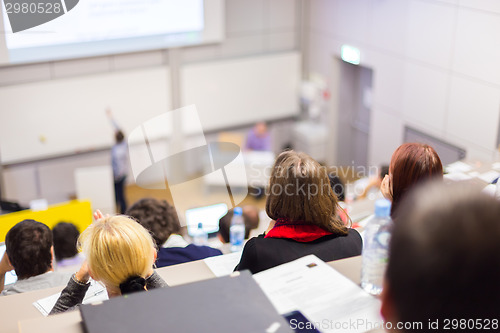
(256, 241)
(353, 233)
(9, 290)
(206, 249)
(63, 276)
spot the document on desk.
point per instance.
(489, 176)
(223, 265)
(458, 166)
(95, 293)
(329, 300)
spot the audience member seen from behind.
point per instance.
(120, 253)
(160, 218)
(250, 216)
(411, 164)
(119, 163)
(444, 263)
(374, 183)
(65, 245)
(29, 251)
(305, 215)
(259, 138)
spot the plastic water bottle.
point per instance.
(376, 248)
(237, 230)
(200, 236)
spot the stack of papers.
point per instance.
(458, 166)
(223, 265)
(329, 300)
(96, 293)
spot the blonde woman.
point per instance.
(120, 253)
(305, 215)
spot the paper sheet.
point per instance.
(489, 176)
(328, 299)
(95, 293)
(458, 176)
(496, 166)
(458, 166)
(224, 264)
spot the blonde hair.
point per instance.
(299, 190)
(117, 248)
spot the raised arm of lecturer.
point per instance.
(112, 120)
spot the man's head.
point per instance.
(158, 217)
(260, 129)
(29, 248)
(444, 257)
(119, 136)
(65, 240)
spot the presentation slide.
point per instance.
(99, 20)
(83, 28)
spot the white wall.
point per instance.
(253, 27)
(436, 66)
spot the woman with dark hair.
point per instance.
(305, 215)
(411, 164)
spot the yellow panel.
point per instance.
(77, 212)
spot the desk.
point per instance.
(70, 322)
(19, 307)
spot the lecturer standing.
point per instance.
(119, 162)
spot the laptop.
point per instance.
(10, 206)
(10, 277)
(209, 216)
(222, 305)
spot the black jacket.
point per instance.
(263, 253)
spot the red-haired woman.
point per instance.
(411, 164)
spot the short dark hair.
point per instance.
(445, 255)
(338, 186)
(65, 239)
(157, 216)
(119, 136)
(250, 217)
(384, 170)
(28, 245)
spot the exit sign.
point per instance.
(350, 54)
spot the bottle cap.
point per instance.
(200, 225)
(382, 208)
(238, 211)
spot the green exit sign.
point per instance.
(350, 54)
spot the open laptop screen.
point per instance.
(209, 216)
(10, 277)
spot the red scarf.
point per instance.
(299, 231)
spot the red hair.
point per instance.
(411, 164)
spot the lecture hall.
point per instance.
(249, 166)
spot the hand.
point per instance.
(99, 215)
(5, 265)
(386, 187)
(83, 274)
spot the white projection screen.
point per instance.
(101, 27)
